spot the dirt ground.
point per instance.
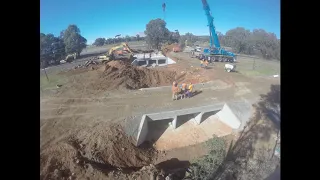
(81, 123)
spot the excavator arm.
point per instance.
(117, 50)
(123, 46)
(126, 47)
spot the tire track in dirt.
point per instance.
(77, 106)
(120, 107)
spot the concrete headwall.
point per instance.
(243, 110)
(233, 114)
(143, 129)
(228, 117)
(197, 111)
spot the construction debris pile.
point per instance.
(121, 75)
(86, 64)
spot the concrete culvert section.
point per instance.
(185, 127)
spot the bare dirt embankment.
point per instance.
(79, 112)
(100, 151)
(118, 75)
(96, 151)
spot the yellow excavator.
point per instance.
(123, 51)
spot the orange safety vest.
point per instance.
(175, 89)
(184, 85)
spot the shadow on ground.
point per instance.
(196, 93)
(183, 119)
(243, 160)
(157, 128)
(251, 156)
(208, 114)
(175, 168)
(173, 163)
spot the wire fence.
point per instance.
(255, 65)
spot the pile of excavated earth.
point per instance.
(117, 74)
(121, 75)
(104, 151)
(100, 152)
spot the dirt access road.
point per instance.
(80, 123)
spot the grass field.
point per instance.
(54, 79)
(257, 66)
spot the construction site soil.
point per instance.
(81, 130)
(121, 75)
(102, 149)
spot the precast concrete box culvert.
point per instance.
(169, 128)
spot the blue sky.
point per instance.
(106, 18)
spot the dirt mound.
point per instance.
(99, 150)
(58, 162)
(117, 64)
(118, 75)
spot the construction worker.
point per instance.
(175, 91)
(190, 90)
(206, 63)
(174, 83)
(184, 90)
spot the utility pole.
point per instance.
(45, 72)
(254, 64)
(254, 60)
(164, 10)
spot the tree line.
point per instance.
(127, 38)
(54, 48)
(241, 40)
(256, 42)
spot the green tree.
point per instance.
(58, 49)
(133, 38)
(51, 48)
(128, 38)
(156, 33)
(138, 37)
(204, 167)
(74, 42)
(258, 42)
(99, 42)
(191, 39)
(174, 37)
(266, 44)
(238, 39)
(109, 41)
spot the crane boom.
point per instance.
(214, 40)
(215, 52)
